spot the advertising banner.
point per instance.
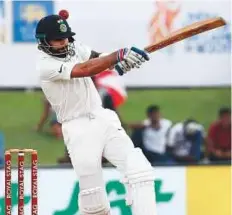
(26, 14)
(200, 61)
(58, 190)
(209, 190)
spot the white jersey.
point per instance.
(177, 140)
(69, 97)
(156, 140)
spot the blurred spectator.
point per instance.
(185, 141)
(1, 149)
(106, 97)
(153, 135)
(54, 124)
(219, 137)
(109, 100)
(112, 83)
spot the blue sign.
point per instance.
(1, 9)
(26, 15)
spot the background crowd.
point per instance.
(163, 141)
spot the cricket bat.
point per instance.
(186, 32)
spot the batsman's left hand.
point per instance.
(136, 57)
(129, 59)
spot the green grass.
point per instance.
(19, 114)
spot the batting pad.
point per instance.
(143, 198)
(139, 183)
(94, 202)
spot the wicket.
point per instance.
(34, 197)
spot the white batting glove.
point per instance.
(130, 58)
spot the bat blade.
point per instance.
(186, 32)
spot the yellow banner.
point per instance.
(209, 190)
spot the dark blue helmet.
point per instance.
(54, 27)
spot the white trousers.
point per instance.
(88, 140)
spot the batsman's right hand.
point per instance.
(130, 58)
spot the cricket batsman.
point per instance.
(89, 130)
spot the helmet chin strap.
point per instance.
(61, 52)
(68, 51)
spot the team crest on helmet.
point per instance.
(63, 28)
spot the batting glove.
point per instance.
(130, 58)
(122, 67)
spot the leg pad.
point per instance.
(94, 202)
